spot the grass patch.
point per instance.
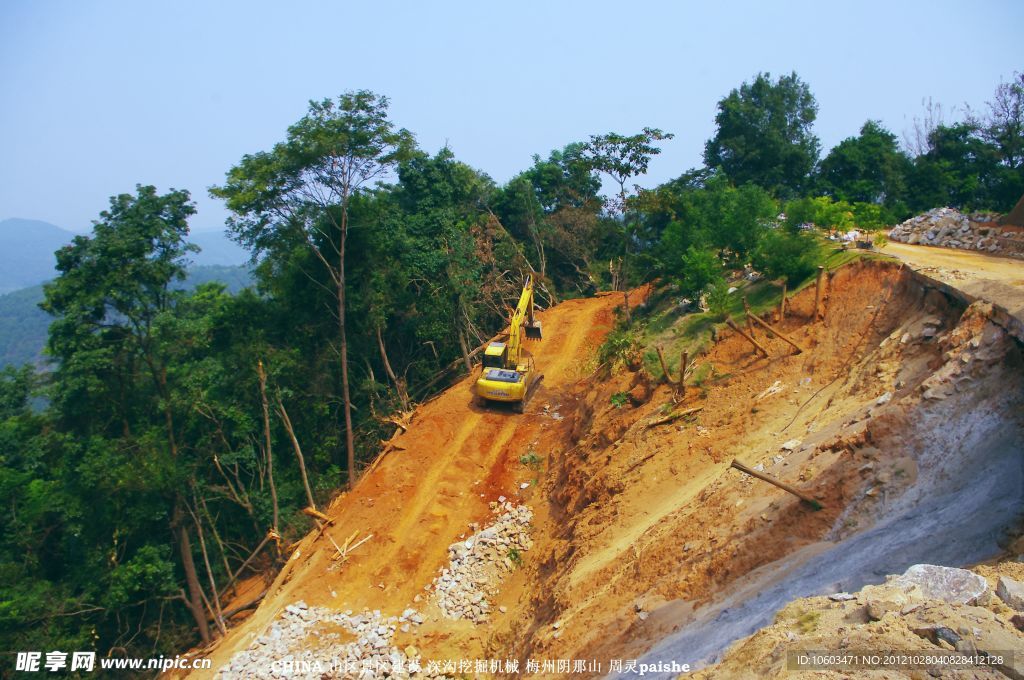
(807, 622)
(531, 460)
(618, 400)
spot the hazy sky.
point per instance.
(99, 96)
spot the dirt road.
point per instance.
(455, 459)
(999, 280)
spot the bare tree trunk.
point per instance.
(350, 443)
(218, 616)
(216, 535)
(403, 395)
(298, 451)
(465, 351)
(266, 434)
(194, 601)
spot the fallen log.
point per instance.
(748, 338)
(782, 485)
(675, 415)
(248, 605)
(774, 331)
(316, 514)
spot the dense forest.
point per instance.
(184, 430)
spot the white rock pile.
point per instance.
(480, 563)
(297, 645)
(949, 228)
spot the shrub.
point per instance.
(701, 268)
(786, 254)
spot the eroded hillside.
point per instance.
(587, 530)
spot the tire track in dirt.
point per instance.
(455, 458)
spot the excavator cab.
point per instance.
(495, 355)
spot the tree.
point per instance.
(1004, 124)
(869, 168)
(114, 301)
(960, 169)
(301, 191)
(764, 135)
(1003, 127)
(622, 158)
(790, 254)
(553, 206)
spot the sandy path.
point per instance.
(456, 458)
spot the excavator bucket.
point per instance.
(532, 330)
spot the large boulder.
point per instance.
(923, 582)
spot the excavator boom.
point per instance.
(508, 373)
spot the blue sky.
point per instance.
(99, 96)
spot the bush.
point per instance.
(621, 346)
(701, 269)
(718, 297)
(789, 255)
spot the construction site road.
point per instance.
(438, 479)
(999, 280)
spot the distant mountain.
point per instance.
(23, 325)
(26, 252)
(217, 249)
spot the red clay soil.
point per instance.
(456, 457)
(634, 526)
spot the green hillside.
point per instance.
(23, 324)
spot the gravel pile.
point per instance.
(949, 228)
(478, 564)
(300, 644)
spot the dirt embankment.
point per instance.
(654, 536)
(901, 416)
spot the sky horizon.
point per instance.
(104, 96)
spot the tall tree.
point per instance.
(960, 169)
(622, 158)
(301, 191)
(869, 168)
(114, 335)
(764, 134)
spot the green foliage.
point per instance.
(764, 135)
(699, 270)
(531, 460)
(787, 254)
(622, 157)
(718, 217)
(515, 557)
(619, 399)
(149, 573)
(960, 169)
(620, 346)
(869, 169)
(718, 297)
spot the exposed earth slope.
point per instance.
(591, 529)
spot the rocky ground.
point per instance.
(317, 642)
(929, 612)
(949, 228)
(479, 564)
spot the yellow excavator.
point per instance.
(508, 373)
